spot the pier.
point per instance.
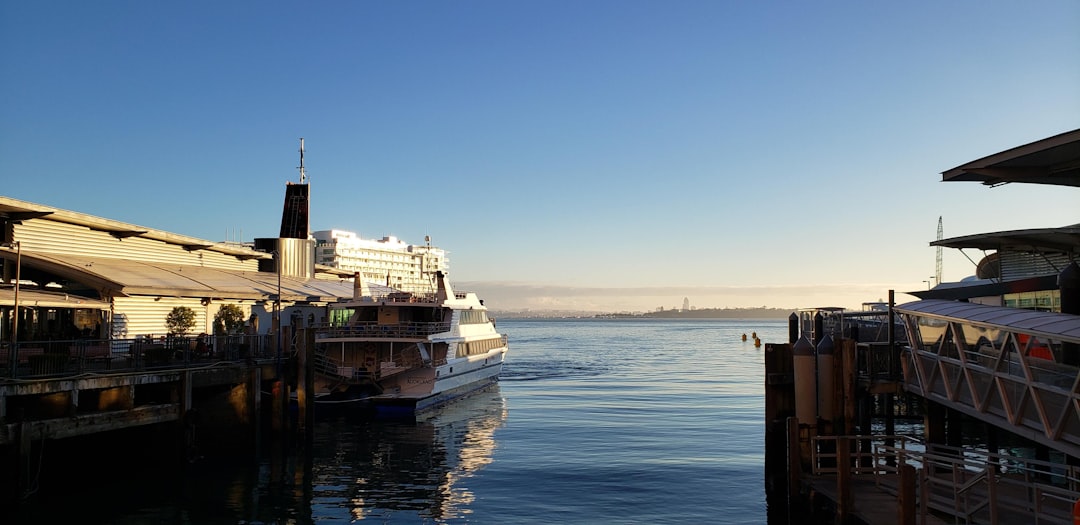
(831, 410)
(228, 400)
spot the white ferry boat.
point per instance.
(406, 352)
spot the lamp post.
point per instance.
(277, 307)
(18, 277)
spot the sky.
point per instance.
(577, 155)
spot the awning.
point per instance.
(38, 298)
(986, 288)
(1042, 240)
(1054, 160)
(1050, 324)
(127, 277)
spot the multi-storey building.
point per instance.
(388, 261)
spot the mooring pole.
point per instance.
(794, 466)
(843, 479)
(906, 495)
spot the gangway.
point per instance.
(1013, 368)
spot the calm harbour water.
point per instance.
(594, 421)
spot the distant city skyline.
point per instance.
(604, 155)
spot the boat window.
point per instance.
(482, 346)
(341, 316)
(474, 317)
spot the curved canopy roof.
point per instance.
(1043, 240)
(1049, 324)
(47, 299)
(1054, 160)
(127, 277)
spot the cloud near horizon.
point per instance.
(504, 295)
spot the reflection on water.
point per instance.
(392, 471)
(379, 468)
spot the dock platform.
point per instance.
(871, 504)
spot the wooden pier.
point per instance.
(202, 407)
(874, 478)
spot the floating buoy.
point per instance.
(757, 342)
(753, 334)
(744, 337)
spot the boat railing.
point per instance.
(404, 297)
(373, 329)
(326, 366)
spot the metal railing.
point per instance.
(373, 329)
(972, 486)
(62, 358)
(867, 453)
(879, 362)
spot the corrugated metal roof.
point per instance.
(22, 210)
(1050, 324)
(150, 278)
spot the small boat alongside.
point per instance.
(406, 352)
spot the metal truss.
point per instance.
(1022, 380)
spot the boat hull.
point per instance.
(456, 379)
(459, 378)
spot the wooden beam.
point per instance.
(66, 427)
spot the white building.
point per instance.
(389, 261)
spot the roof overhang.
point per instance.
(960, 291)
(46, 299)
(1052, 325)
(17, 210)
(1054, 160)
(1043, 240)
(121, 277)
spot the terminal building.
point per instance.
(74, 275)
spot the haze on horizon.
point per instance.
(605, 155)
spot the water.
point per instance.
(594, 421)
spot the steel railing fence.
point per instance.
(62, 358)
(971, 485)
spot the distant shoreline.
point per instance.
(701, 313)
(713, 313)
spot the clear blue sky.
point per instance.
(593, 154)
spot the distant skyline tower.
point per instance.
(686, 303)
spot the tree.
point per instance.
(180, 321)
(229, 319)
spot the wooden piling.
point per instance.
(779, 405)
(794, 467)
(277, 411)
(305, 392)
(255, 407)
(843, 480)
(906, 496)
(22, 472)
(302, 386)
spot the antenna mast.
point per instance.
(937, 267)
(303, 175)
